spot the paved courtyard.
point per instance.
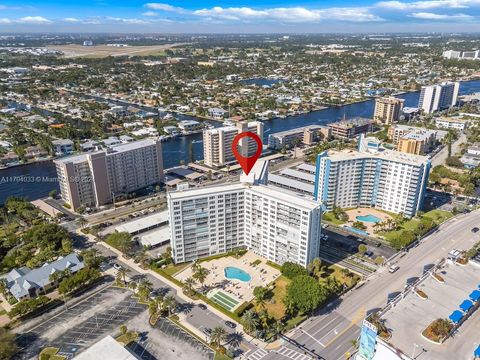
(412, 315)
(352, 217)
(234, 290)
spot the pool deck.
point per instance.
(352, 216)
(240, 290)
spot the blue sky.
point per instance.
(239, 16)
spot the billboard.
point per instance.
(368, 340)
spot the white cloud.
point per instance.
(150, 13)
(432, 16)
(287, 14)
(164, 7)
(293, 14)
(5, 21)
(427, 4)
(33, 20)
(127, 20)
(71, 19)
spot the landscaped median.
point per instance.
(50, 353)
(438, 331)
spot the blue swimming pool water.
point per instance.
(369, 218)
(236, 273)
(357, 231)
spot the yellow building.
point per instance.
(388, 110)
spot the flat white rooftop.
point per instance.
(385, 154)
(144, 222)
(106, 349)
(132, 146)
(271, 191)
(300, 175)
(155, 237)
(291, 184)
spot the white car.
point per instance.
(393, 268)
(116, 266)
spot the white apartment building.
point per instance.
(94, 179)
(451, 123)
(438, 97)
(372, 177)
(463, 55)
(217, 143)
(276, 224)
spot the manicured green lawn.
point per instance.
(438, 216)
(328, 217)
(172, 269)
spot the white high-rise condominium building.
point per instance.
(217, 143)
(462, 55)
(372, 177)
(272, 222)
(438, 97)
(93, 179)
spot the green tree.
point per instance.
(8, 346)
(188, 284)
(201, 274)
(120, 240)
(218, 335)
(260, 294)
(82, 222)
(362, 249)
(305, 294)
(291, 270)
(250, 321)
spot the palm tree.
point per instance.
(82, 222)
(218, 335)
(170, 303)
(188, 284)
(234, 339)
(201, 274)
(122, 273)
(250, 321)
(133, 286)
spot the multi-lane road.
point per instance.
(330, 333)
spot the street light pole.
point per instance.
(413, 352)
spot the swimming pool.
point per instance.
(369, 218)
(237, 274)
(356, 231)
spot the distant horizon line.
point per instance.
(240, 33)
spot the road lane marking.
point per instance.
(306, 333)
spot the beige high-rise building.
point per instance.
(217, 143)
(388, 110)
(93, 179)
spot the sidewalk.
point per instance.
(180, 294)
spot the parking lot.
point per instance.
(412, 314)
(75, 329)
(165, 341)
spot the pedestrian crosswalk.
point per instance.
(292, 354)
(285, 352)
(257, 354)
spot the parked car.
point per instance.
(207, 331)
(369, 253)
(202, 306)
(117, 266)
(230, 324)
(393, 268)
(475, 230)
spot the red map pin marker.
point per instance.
(247, 162)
